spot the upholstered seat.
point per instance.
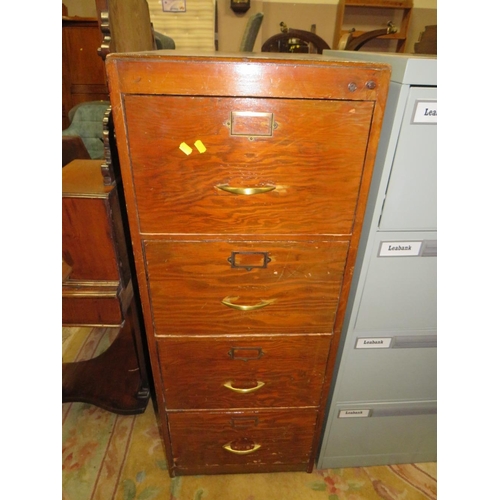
(87, 122)
(163, 41)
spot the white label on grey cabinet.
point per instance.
(399, 248)
(373, 343)
(354, 413)
(425, 112)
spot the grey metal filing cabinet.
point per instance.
(383, 406)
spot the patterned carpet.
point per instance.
(115, 457)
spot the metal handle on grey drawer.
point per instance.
(228, 301)
(229, 385)
(245, 190)
(241, 452)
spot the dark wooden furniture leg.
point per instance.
(113, 380)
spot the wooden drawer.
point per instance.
(95, 303)
(188, 282)
(96, 311)
(288, 369)
(310, 151)
(272, 437)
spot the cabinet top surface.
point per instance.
(253, 74)
(81, 178)
(409, 69)
(187, 56)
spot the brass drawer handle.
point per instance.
(229, 385)
(245, 190)
(241, 452)
(228, 301)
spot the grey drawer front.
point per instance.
(400, 292)
(394, 433)
(388, 374)
(411, 201)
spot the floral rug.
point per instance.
(116, 457)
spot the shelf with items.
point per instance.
(356, 18)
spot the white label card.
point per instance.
(399, 248)
(374, 343)
(425, 112)
(354, 413)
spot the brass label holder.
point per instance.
(245, 353)
(249, 260)
(251, 124)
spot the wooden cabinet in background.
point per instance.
(246, 181)
(83, 71)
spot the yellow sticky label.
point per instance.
(200, 146)
(185, 148)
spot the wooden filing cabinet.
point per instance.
(246, 180)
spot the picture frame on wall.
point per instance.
(174, 5)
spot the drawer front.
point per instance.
(293, 288)
(97, 311)
(211, 439)
(309, 152)
(236, 372)
(394, 432)
(88, 243)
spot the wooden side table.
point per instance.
(97, 290)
